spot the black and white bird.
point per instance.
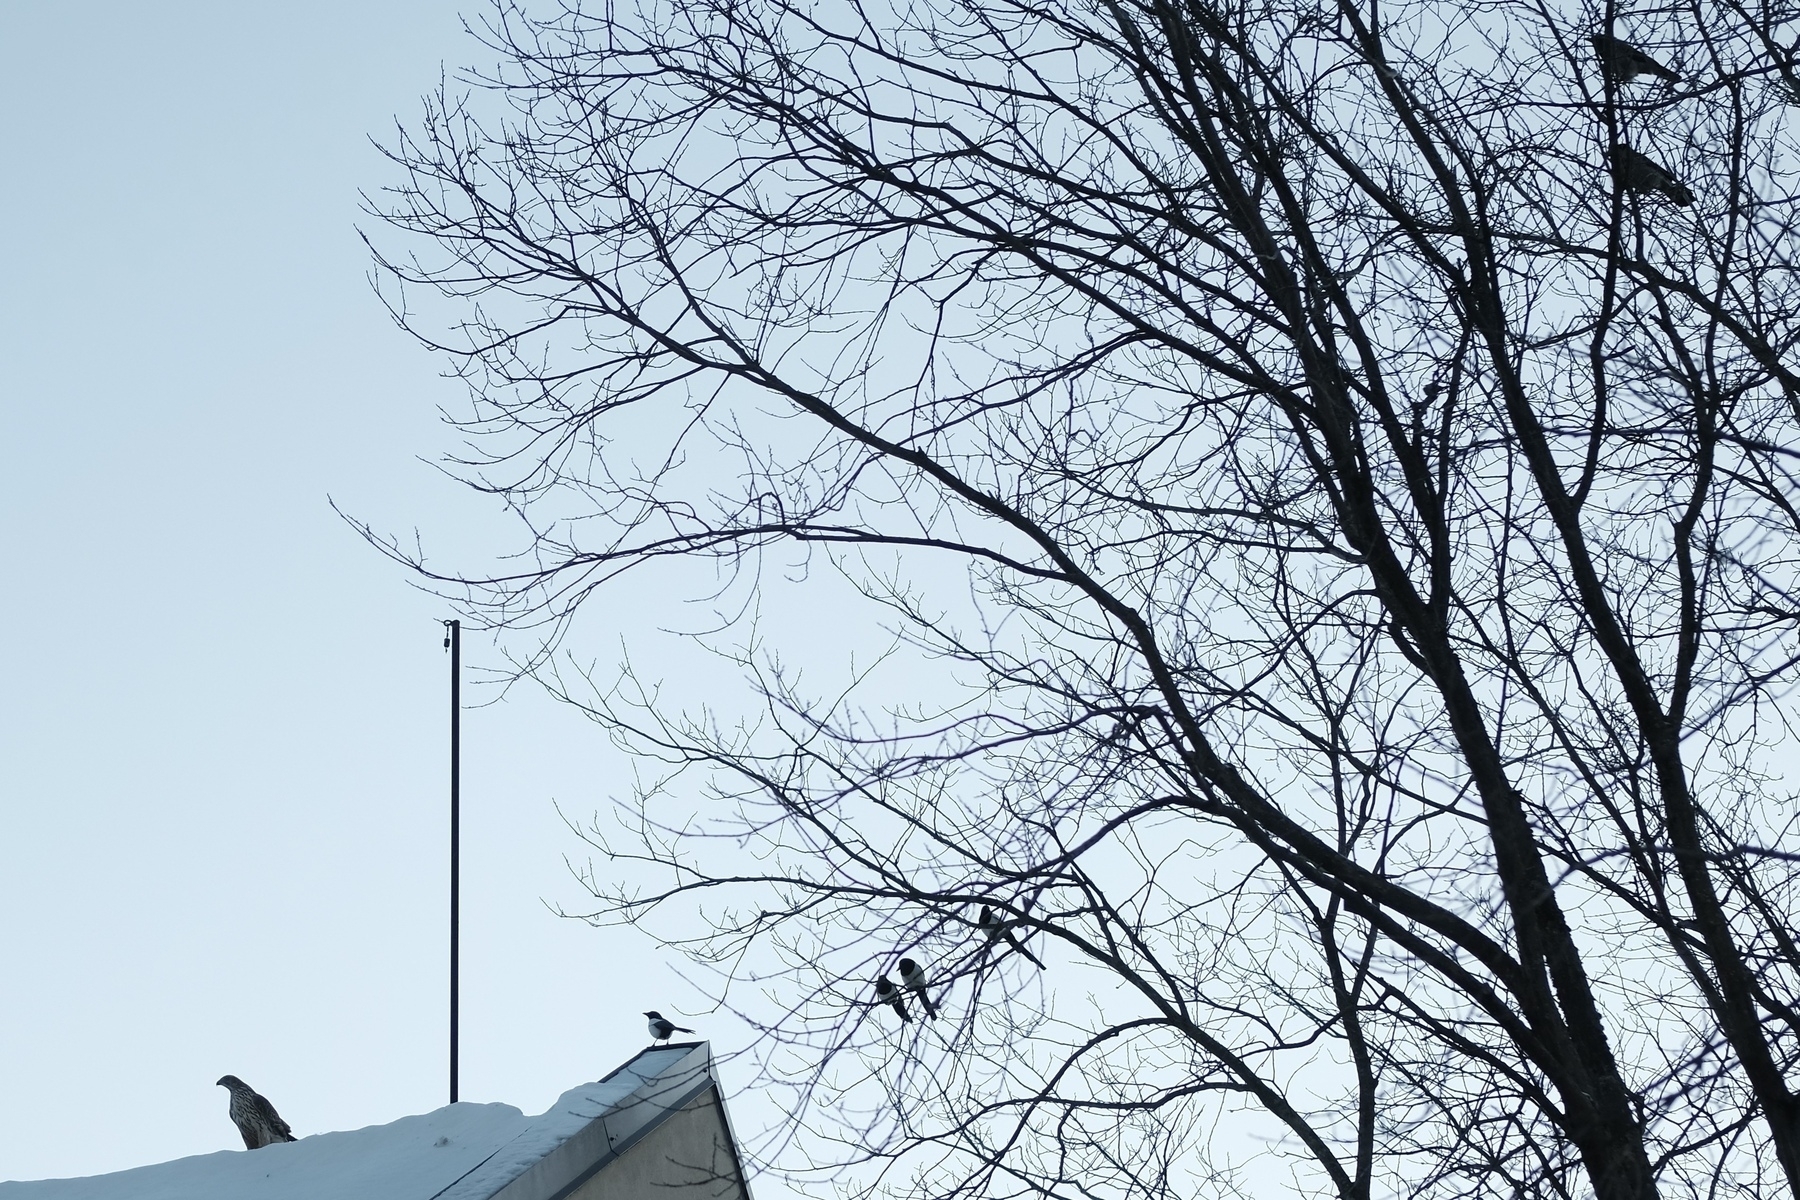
(254, 1116)
(912, 975)
(1625, 62)
(887, 993)
(996, 930)
(1640, 173)
(662, 1029)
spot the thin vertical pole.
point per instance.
(455, 640)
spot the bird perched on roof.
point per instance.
(254, 1116)
(1625, 62)
(996, 930)
(913, 976)
(662, 1029)
(1640, 173)
(887, 993)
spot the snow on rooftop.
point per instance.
(459, 1152)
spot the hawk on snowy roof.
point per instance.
(254, 1116)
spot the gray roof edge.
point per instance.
(612, 1132)
(737, 1159)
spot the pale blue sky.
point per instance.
(221, 739)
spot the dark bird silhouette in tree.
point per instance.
(1640, 173)
(887, 993)
(662, 1029)
(254, 1116)
(1625, 62)
(913, 976)
(996, 930)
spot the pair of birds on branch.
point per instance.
(1638, 172)
(913, 978)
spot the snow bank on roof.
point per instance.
(414, 1158)
(572, 1113)
(460, 1152)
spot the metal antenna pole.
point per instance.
(453, 640)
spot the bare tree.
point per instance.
(1317, 486)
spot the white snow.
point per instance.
(459, 1152)
(567, 1117)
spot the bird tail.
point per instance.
(930, 1008)
(1018, 945)
(682, 1029)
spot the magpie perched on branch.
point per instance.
(1625, 62)
(913, 976)
(996, 930)
(887, 993)
(662, 1029)
(1640, 173)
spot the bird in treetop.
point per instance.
(254, 1116)
(1625, 62)
(887, 993)
(662, 1029)
(913, 976)
(1640, 173)
(996, 930)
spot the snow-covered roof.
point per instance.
(459, 1152)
